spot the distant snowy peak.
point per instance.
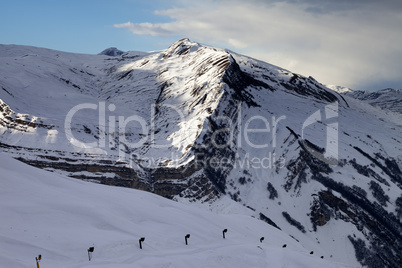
(387, 99)
(339, 89)
(111, 51)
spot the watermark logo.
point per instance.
(329, 154)
(253, 137)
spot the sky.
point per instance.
(350, 43)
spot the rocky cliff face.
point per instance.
(196, 123)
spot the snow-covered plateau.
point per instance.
(215, 131)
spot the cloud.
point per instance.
(330, 6)
(349, 43)
(147, 28)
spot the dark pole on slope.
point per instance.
(223, 233)
(90, 250)
(186, 237)
(142, 239)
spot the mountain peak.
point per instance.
(339, 89)
(181, 47)
(111, 51)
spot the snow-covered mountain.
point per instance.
(112, 51)
(198, 124)
(339, 89)
(387, 99)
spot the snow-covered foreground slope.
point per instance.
(60, 218)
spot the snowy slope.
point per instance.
(60, 218)
(302, 187)
(203, 125)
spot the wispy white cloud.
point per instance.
(352, 43)
(146, 28)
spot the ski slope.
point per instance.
(60, 218)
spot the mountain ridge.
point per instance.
(389, 99)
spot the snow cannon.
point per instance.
(90, 250)
(38, 260)
(187, 237)
(224, 232)
(142, 239)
